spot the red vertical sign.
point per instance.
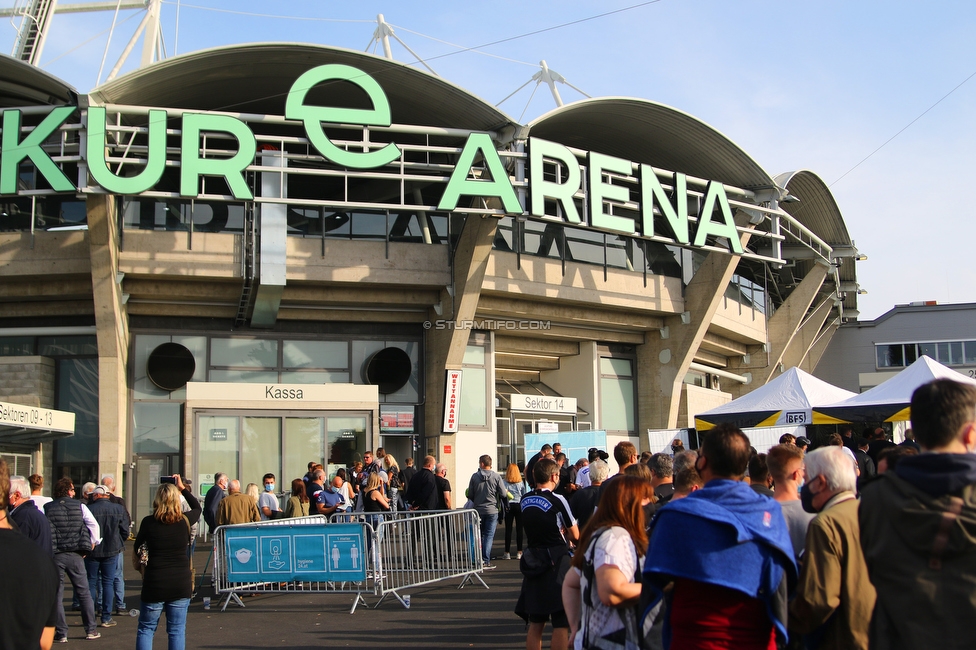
(452, 401)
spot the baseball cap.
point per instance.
(802, 441)
(100, 489)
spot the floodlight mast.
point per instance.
(36, 17)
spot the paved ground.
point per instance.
(440, 616)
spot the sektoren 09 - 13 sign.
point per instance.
(713, 218)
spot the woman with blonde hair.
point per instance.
(516, 490)
(393, 481)
(252, 490)
(166, 580)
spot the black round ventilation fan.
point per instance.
(170, 366)
(389, 370)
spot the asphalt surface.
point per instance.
(440, 616)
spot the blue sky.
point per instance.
(814, 85)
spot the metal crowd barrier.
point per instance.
(415, 548)
(223, 585)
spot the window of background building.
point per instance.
(618, 410)
(474, 383)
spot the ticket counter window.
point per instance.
(247, 447)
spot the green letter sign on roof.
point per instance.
(313, 116)
(542, 189)
(14, 150)
(715, 193)
(499, 186)
(192, 166)
(156, 156)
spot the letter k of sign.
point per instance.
(268, 393)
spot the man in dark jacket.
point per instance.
(918, 528)
(213, 498)
(72, 541)
(113, 520)
(24, 513)
(422, 493)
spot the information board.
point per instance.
(300, 552)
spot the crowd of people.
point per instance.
(849, 542)
(854, 542)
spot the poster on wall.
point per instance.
(452, 401)
(575, 444)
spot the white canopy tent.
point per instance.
(791, 399)
(889, 401)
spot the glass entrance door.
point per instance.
(149, 468)
(248, 445)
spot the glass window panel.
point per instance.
(943, 350)
(156, 428)
(16, 346)
(346, 441)
(142, 387)
(310, 377)
(77, 391)
(474, 355)
(302, 442)
(969, 349)
(473, 410)
(955, 353)
(367, 225)
(617, 404)
(910, 354)
(260, 449)
(410, 392)
(928, 349)
(616, 367)
(249, 353)
(246, 376)
(67, 346)
(315, 354)
(218, 445)
(891, 356)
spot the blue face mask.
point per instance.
(269, 487)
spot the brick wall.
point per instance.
(27, 380)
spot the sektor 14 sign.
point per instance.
(604, 182)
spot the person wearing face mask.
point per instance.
(834, 597)
(918, 528)
(268, 501)
(725, 552)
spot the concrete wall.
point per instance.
(578, 377)
(851, 352)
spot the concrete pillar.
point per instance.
(819, 346)
(445, 346)
(665, 356)
(807, 334)
(112, 332)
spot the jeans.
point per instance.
(101, 573)
(119, 584)
(488, 523)
(175, 623)
(74, 565)
(514, 515)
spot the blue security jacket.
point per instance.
(728, 535)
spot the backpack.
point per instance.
(645, 627)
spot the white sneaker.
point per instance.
(519, 556)
(507, 556)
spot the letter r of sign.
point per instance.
(313, 116)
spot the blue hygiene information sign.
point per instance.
(309, 552)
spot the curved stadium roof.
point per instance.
(22, 84)
(255, 78)
(652, 133)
